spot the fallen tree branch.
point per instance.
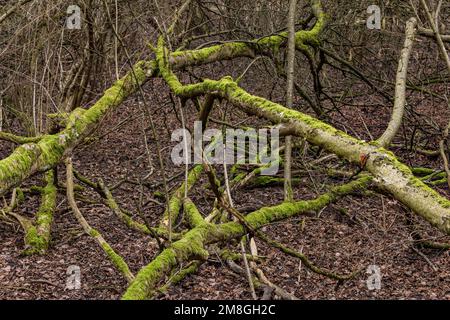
(263, 278)
(288, 195)
(177, 197)
(262, 282)
(400, 86)
(179, 275)
(389, 172)
(430, 34)
(37, 237)
(122, 214)
(18, 139)
(191, 246)
(116, 259)
(435, 245)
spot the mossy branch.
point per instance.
(116, 259)
(179, 275)
(18, 139)
(389, 172)
(177, 197)
(37, 237)
(192, 245)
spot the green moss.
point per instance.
(422, 171)
(267, 215)
(34, 243)
(51, 151)
(14, 168)
(193, 216)
(39, 239)
(390, 160)
(311, 37)
(309, 127)
(118, 261)
(148, 277)
(177, 197)
(421, 190)
(263, 181)
(178, 276)
(191, 246)
(48, 204)
(230, 255)
(238, 178)
(439, 182)
(18, 139)
(20, 195)
(94, 233)
(181, 59)
(124, 216)
(316, 132)
(158, 194)
(131, 223)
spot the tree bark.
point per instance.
(390, 173)
(289, 98)
(400, 86)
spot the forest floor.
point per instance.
(353, 233)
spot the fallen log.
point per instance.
(388, 171)
(192, 245)
(37, 236)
